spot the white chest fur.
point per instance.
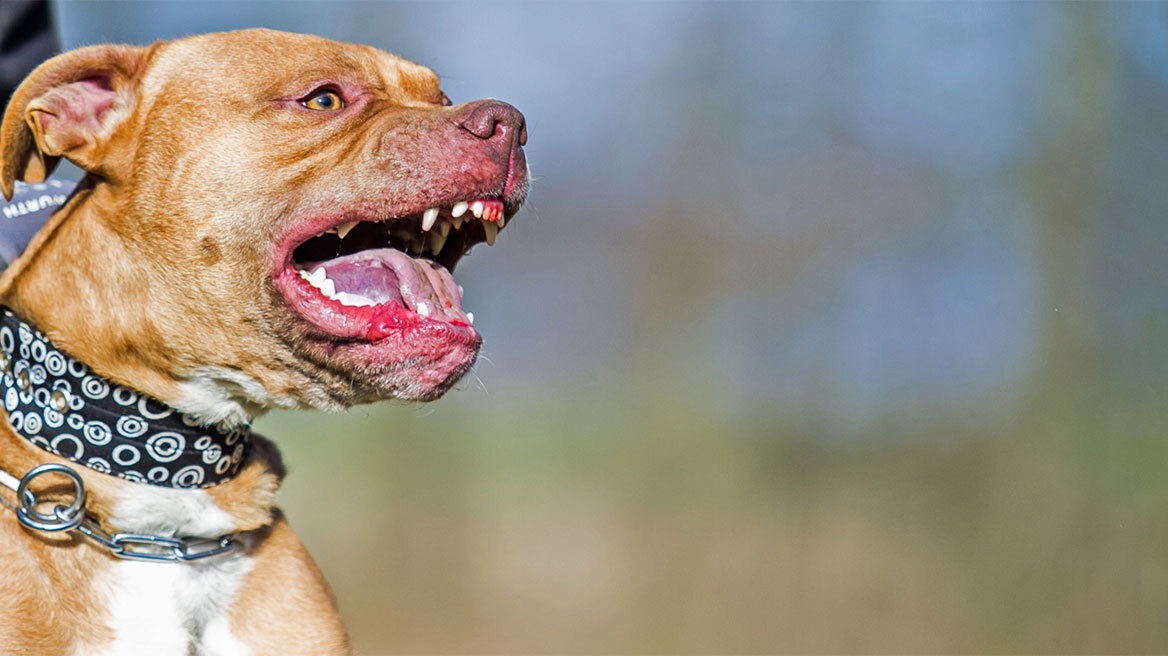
(178, 609)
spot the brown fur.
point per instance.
(160, 265)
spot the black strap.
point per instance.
(58, 404)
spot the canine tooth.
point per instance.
(317, 277)
(470, 317)
(344, 228)
(459, 209)
(492, 230)
(428, 219)
(476, 208)
(423, 309)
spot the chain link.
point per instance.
(139, 546)
(130, 546)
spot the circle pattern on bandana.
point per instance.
(107, 427)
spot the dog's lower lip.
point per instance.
(372, 295)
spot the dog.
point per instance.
(268, 220)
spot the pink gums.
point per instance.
(492, 209)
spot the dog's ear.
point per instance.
(70, 107)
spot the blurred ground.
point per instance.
(828, 328)
(631, 523)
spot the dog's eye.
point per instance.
(325, 100)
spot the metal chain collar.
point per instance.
(130, 546)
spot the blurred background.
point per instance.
(829, 327)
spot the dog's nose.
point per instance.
(495, 120)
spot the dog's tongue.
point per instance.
(385, 275)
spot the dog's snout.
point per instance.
(495, 120)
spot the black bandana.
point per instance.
(56, 403)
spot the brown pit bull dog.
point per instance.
(269, 220)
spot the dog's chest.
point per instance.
(172, 608)
(169, 608)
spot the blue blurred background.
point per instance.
(829, 327)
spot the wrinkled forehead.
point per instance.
(249, 59)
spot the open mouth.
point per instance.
(367, 279)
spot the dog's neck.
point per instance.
(99, 313)
(87, 310)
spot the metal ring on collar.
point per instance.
(64, 518)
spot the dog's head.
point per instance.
(270, 216)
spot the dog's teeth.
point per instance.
(423, 309)
(470, 317)
(407, 241)
(438, 242)
(458, 223)
(458, 210)
(476, 208)
(460, 291)
(492, 231)
(317, 277)
(328, 287)
(304, 274)
(428, 219)
(500, 221)
(344, 228)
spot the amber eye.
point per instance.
(325, 100)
